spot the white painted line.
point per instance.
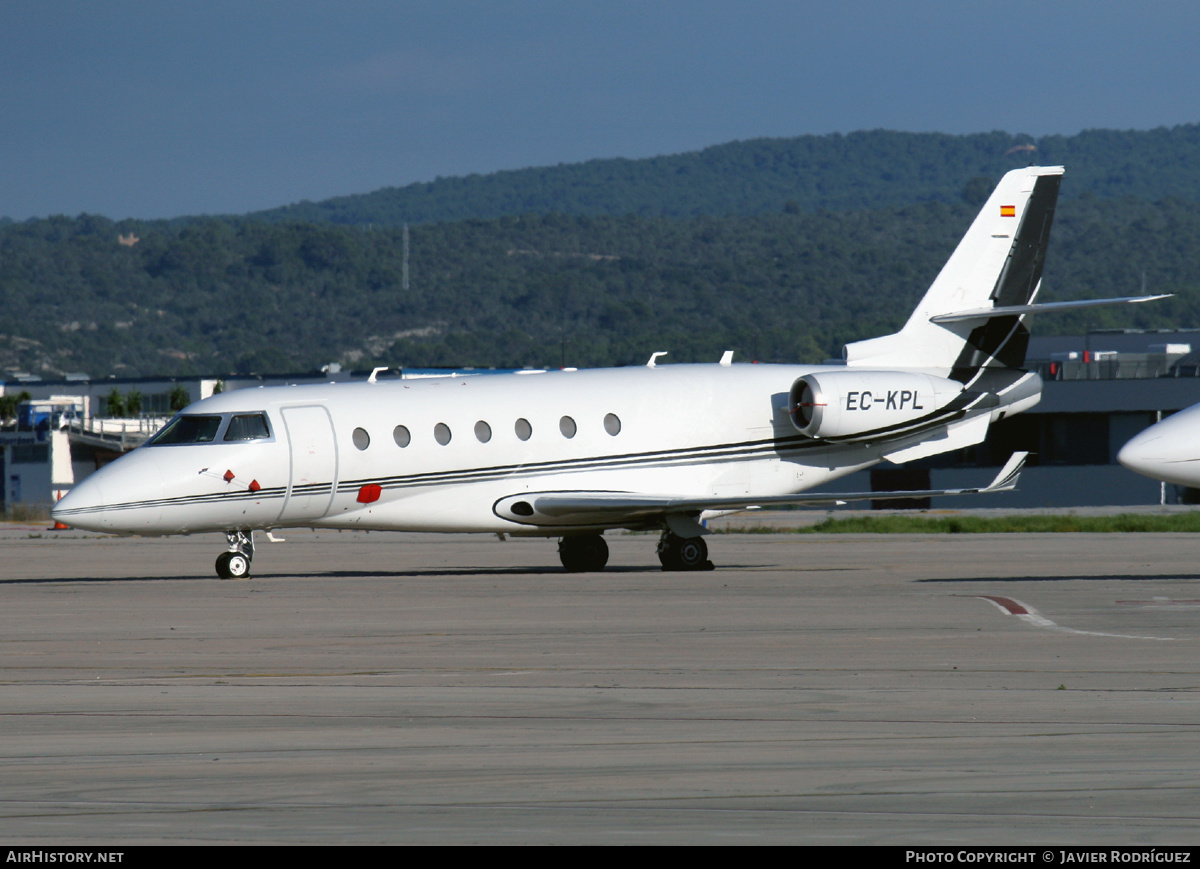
(1027, 614)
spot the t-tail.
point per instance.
(997, 263)
(970, 319)
(958, 362)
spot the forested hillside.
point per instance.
(540, 290)
(865, 170)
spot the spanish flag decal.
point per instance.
(1008, 211)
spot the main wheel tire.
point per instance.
(233, 565)
(668, 552)
(693, 553)
(683, 553)
(583, 553)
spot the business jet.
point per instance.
(571, 454)
(1168, 450)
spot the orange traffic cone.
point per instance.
(58, 526)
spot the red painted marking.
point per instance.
(369, 493)
(1013, 608)
(229, 475)
(254, 486)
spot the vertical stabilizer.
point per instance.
(997, 263)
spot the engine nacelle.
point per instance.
(837, 404)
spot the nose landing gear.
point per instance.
(235, 564)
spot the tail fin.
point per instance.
(997, 264)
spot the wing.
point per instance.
(614, 509)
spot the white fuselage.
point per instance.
(334, 456)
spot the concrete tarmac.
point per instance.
(384, 688)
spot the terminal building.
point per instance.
(1099, 390)
(35, 454)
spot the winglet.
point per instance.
(1006, 480)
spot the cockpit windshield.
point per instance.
(206, 429)
(188, 430)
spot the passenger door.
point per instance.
(313, 448)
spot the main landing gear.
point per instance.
(683, 553)
(583, 553)
(235, 564)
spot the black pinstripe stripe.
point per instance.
(210, 498)
(659, 458)
(741, 451)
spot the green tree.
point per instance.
(8, 406)
(114, 405)
(179, 398)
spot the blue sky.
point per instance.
(129, 108)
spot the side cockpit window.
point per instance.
(248, 427)
(188, 430)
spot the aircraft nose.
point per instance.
(82, 507)
(1169, 450)
(1143, 454)
(123, 497)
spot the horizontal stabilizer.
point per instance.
(574, 509)
(1042, 308)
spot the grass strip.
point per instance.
(1016, 524)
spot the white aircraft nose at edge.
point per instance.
(570, 454)
(1168, 450)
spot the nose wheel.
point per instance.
(235, 564)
